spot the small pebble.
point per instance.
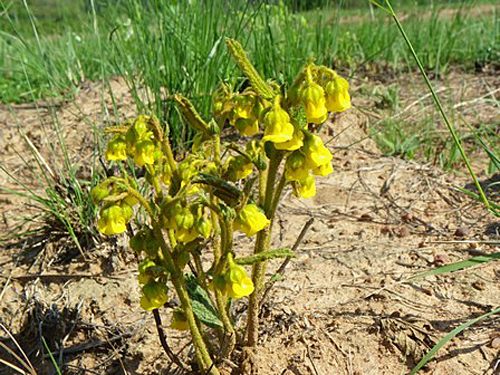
(462, 232)
(479, 285)
(495, 343)
(404, 232)
(440, 259)
(366, 217)
(407, 217)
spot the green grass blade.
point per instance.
(448, 337)
(439, 106)
(457, 266)
(51, 357)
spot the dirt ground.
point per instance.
(345, 305)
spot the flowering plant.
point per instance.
(194, 205)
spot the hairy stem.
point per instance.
(202, 355)
(262, 243)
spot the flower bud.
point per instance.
(98, 193)
(144, 240)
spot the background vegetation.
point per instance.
(52, 46)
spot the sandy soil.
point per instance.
(345, 305)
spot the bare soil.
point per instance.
(345, 306)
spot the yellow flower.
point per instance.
(154, 295)
(337, 95)
(293, 144)
(112, 220)
(144, 277)
(241, 285)
(251, 220)
(186, 235)
(204, 226)
(179, 321)
(247, 126)
(295, 167)
(306, 188)
(166, 174)
(144, 152)
(278, 128)
(243, 106)
(239, 167)
(323, 170)
(312, 97)
(184, 218)
(117, 149)
(237, 282)
(316, 152)
(144, 240)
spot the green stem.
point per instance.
(451, 129)
(202, 355)
(262, 243)
(156, 182)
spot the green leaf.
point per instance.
(202, 306)
(459, 265)
(448, 337)
(265, 255)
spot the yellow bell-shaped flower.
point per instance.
(323, 170)
(293, 144)
(278, 128)
(337, 95)
(186, 235)
(204, 226)
(117, 149)
(179, 320)
(144, 153)
(144, 277)
(247, 126)
(155, 295)
(238, 284)
(296, 168)
(306, 188)
(243, 106)
(312, 97)
(316, 152)
(239, 167)
(251, 220)
(112, 220)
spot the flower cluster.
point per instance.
(186, 206)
